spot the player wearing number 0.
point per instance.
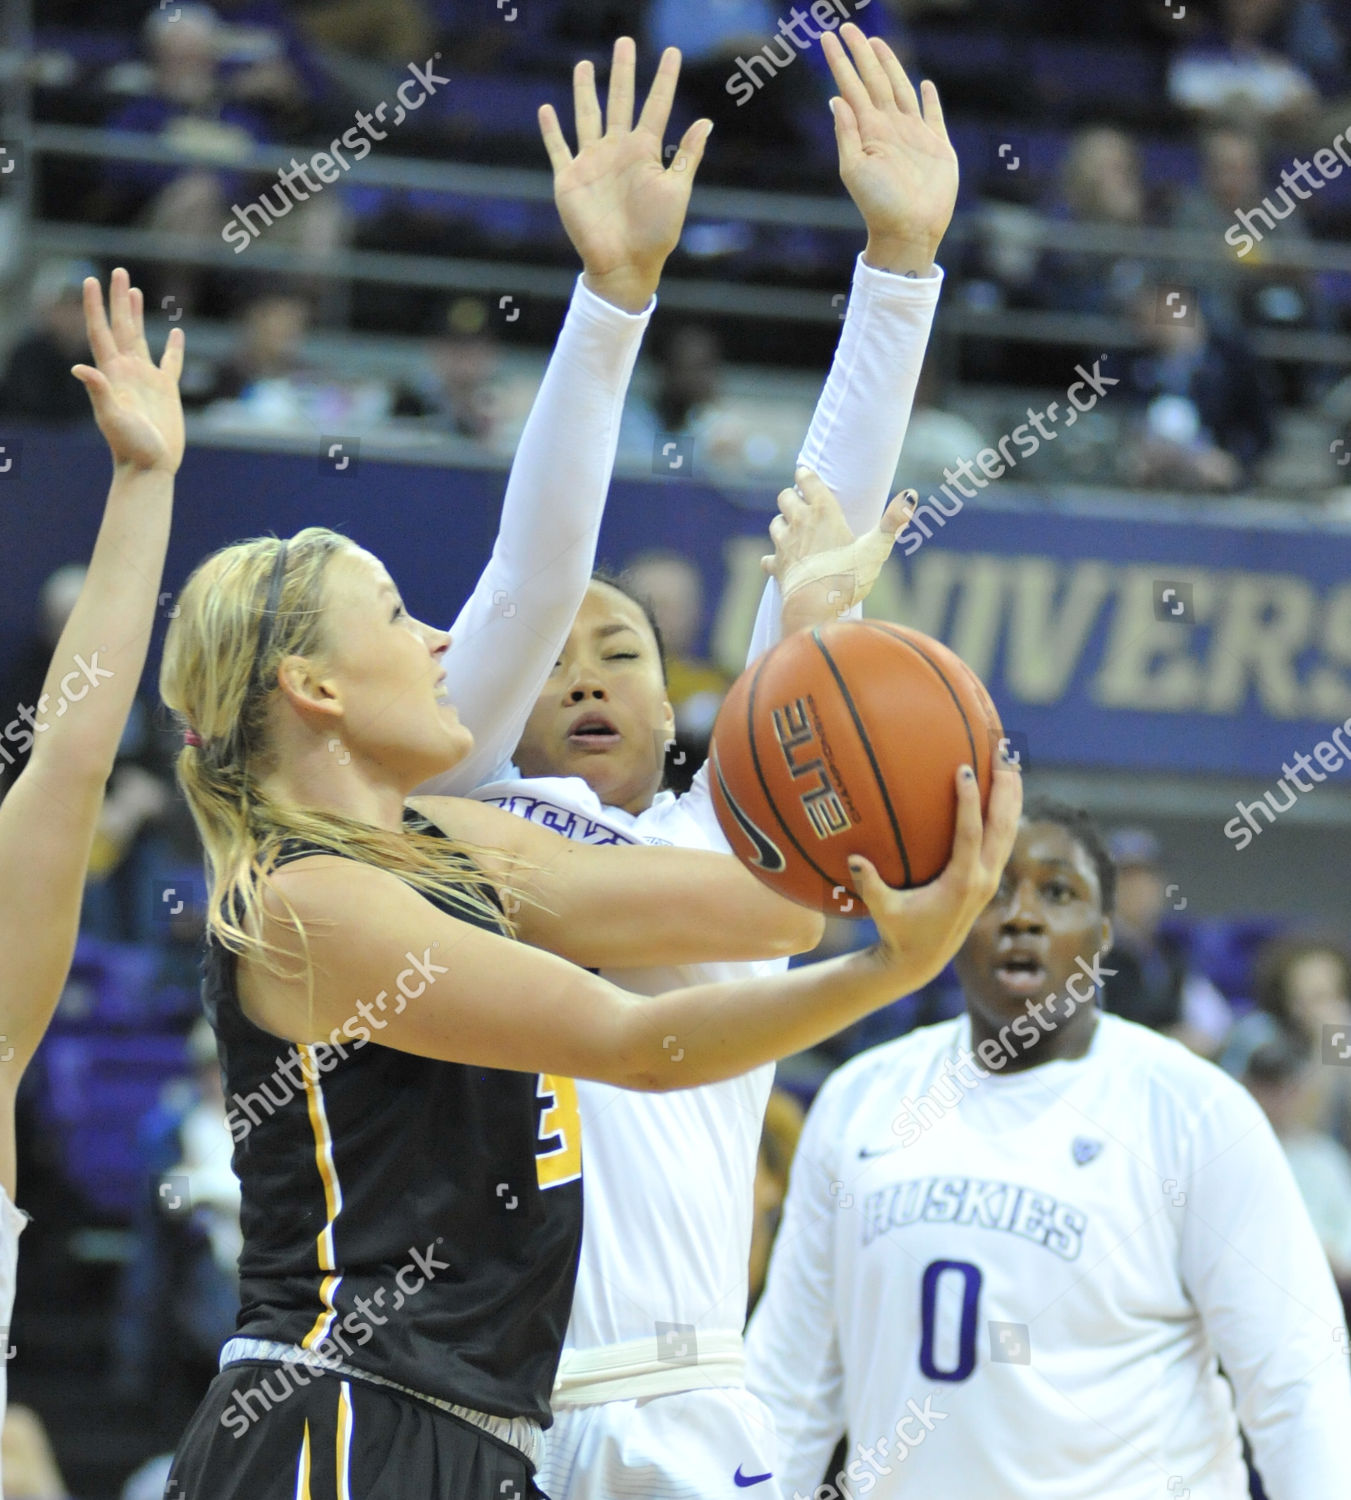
(1020, 1272)
(662, 1285)
(50, 814)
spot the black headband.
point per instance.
(270, 608)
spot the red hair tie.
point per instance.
(191, 737)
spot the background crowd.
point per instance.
(1105, 151)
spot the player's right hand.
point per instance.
(136, 402)
(895, 156)
(921, 930)
(621, 204)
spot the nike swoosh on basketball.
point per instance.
(744, 1481)
(767, 854)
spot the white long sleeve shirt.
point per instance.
(668, 1179)
(1030, 1299)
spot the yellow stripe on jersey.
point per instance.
(303, 1466)
(323, 1156)
(562, 1119)
(344, 1441)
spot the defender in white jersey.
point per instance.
(1019, 1247)
(50, 814)
(650, 1399)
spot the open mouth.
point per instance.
(1021, 974)
(593, 732)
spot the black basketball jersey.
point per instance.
(416, 1219)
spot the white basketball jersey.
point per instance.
(1027, 1299)
(667, 1179)
(12, 1222)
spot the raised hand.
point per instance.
(135, 401)
(622, 206)
(895, 157)
(822, 568)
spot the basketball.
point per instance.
(846, 740)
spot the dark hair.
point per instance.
(622, 584)
(1275, 1062)
(1274, 961)
(1086, 833)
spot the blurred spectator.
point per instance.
(1153, 984)
(1277, 1076)
(1102, 186)
(778, 1144)
(184, 104)
(30, 1467)
(675, 589)
(731, 55)
(60, 589)
(268, 382)
(457, 388)
(1302, 990)
(272, 334)
(936, 437)
(689, 399)
(396, 32)
(37, 383)
(1242, 291)
(1239, 72)
(180, 1289)
(140, 795)
(1203, 399)
(247, 52)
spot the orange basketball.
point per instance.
(846, 740)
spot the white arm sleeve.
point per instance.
(854, 442)
(507, 637)
(1251, 1262)
(792, 1351)
(858, 427)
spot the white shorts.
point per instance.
(692, 1445)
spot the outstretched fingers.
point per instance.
(690, 152)
(552, 133)
(119, 304)
(138, 322)
(661, 96)
(619, 101)
(585, 105)
(933, 110)
(171, 362)
(902, 90)
(870, 70)
(101, 342)
(850, 85)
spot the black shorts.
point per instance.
(260, 1436)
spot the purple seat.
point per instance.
(96, 1088)
(1103, 75)
(110, 984)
